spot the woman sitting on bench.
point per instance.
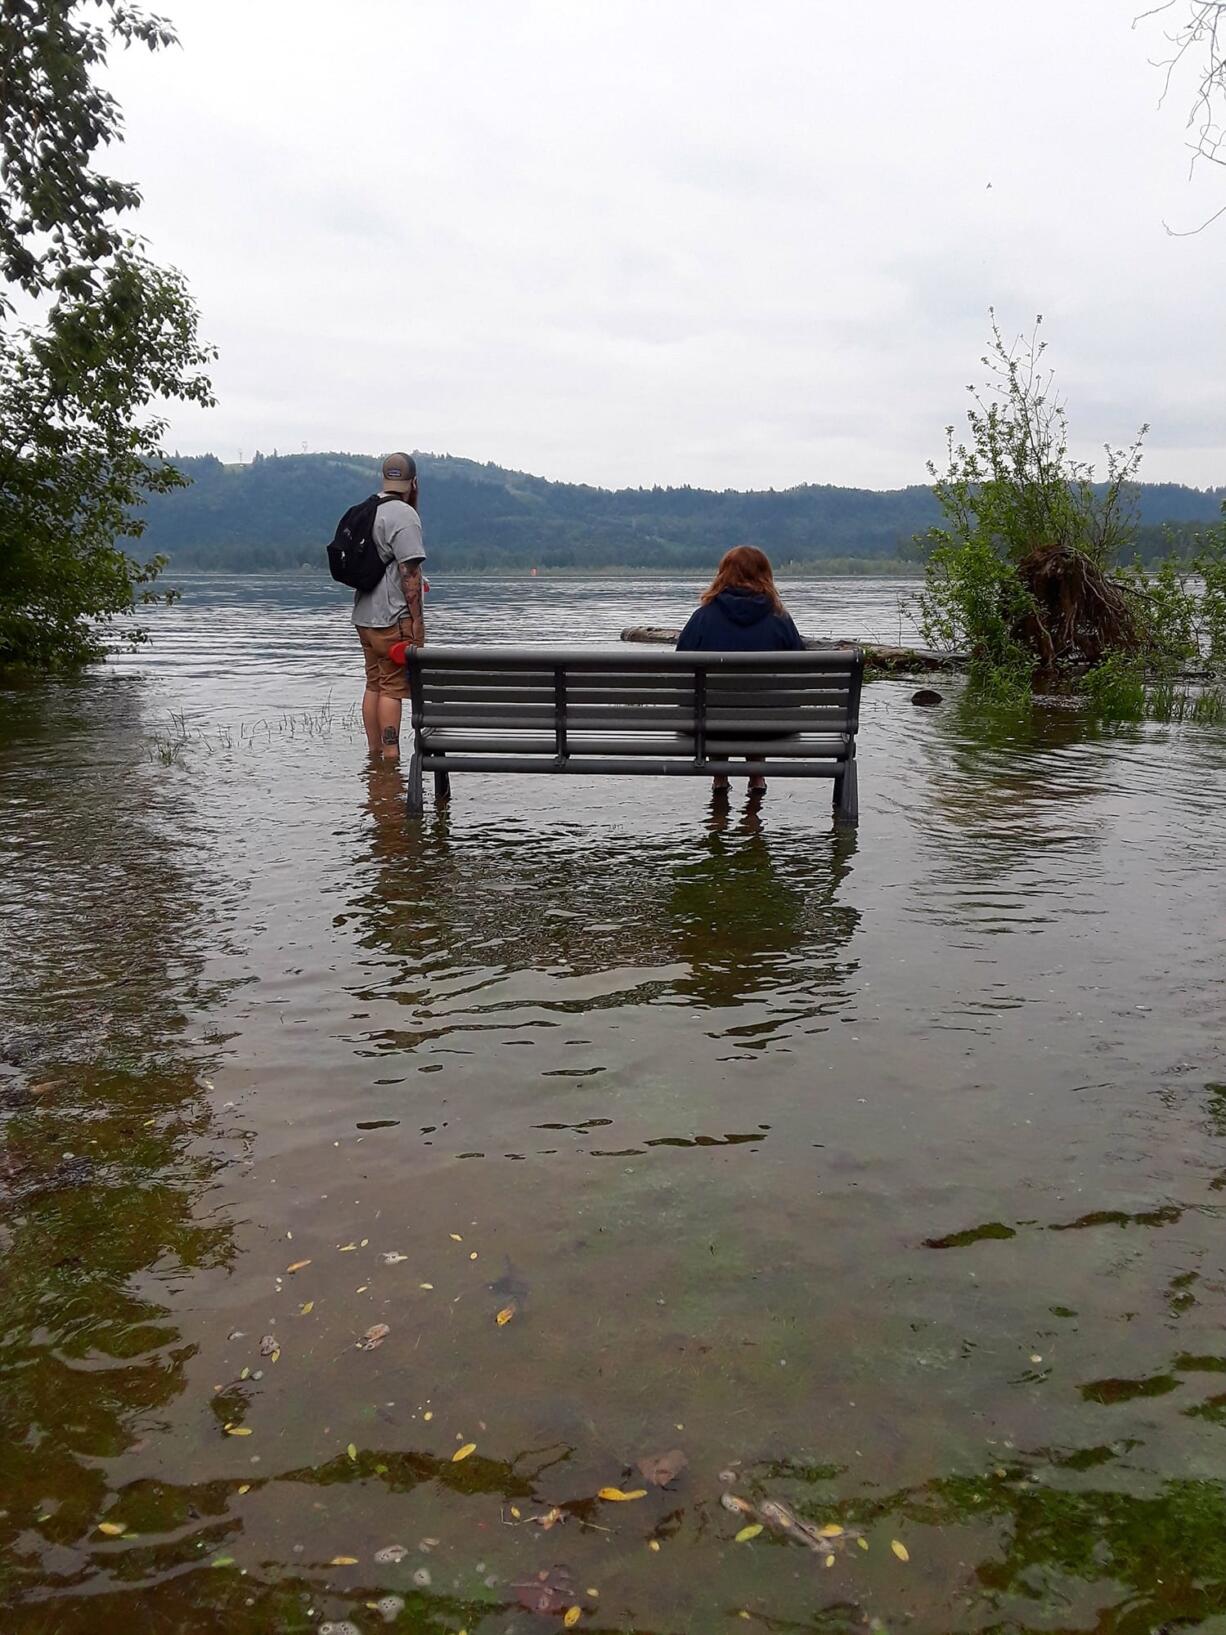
(740, 612)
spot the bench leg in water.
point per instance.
(442, 788)
(414, 803)
(847, 797)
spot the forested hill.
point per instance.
(279, 512)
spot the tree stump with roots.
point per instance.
(1077, 611)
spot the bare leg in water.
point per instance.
(719, 785)
(370, 720)
(389, 727)
(381, 719)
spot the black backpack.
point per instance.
(353, 556)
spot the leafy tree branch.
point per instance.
(106, 337)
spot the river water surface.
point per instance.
(882, 1174)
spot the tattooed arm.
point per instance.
(410, 585)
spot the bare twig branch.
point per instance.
(1191, 232)
(1199, 41)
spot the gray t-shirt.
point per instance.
(397, 536)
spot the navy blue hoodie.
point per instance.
(739, 621)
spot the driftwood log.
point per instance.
(879, 658)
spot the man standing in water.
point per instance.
(392, 611)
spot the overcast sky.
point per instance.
(671, 241)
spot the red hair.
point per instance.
(744, 567)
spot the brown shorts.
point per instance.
(382, 675)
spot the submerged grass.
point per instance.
(1119, 690)
(169, 745)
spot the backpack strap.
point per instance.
(381, 499)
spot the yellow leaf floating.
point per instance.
(238, 1430)
(345, 1248)
(112, 1529)
(456, 1238)
(245, 1488)
(297, 1266)
(863, 1543)
(343, 1561)
(463, 1453)
(900, 1550)
(830, 1561)
(831, 1530)
(746, 1533)
(505, 1316)
(616, 1496)
(573, 1615)
(306, 1308)
(653, 1544)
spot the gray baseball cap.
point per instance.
(399, 473)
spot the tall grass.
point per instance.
(169, 745)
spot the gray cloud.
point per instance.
(664, 241)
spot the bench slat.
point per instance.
(434, 693)
(622, 662)
(512, 694)
(597, 689)
(627, 720)
(451, 679)
(448, 743)
(433, 696)
(768, 704)
(647, 766)
(752, 681)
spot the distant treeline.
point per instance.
(279, 512)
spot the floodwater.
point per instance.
(882, 1173)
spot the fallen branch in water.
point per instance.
(878, 658)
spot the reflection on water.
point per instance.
(482, 922)
(109, 1140)
(882, 1173)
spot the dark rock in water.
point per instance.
(552, 1590)
(662, 1469)
(21, 1184)
(15, 1097)
(926, 697)
(510, 1286)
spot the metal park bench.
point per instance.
(587, 711)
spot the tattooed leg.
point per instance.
(389, 727)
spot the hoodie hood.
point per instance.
(743, 607)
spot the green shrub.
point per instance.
(1022, 575)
